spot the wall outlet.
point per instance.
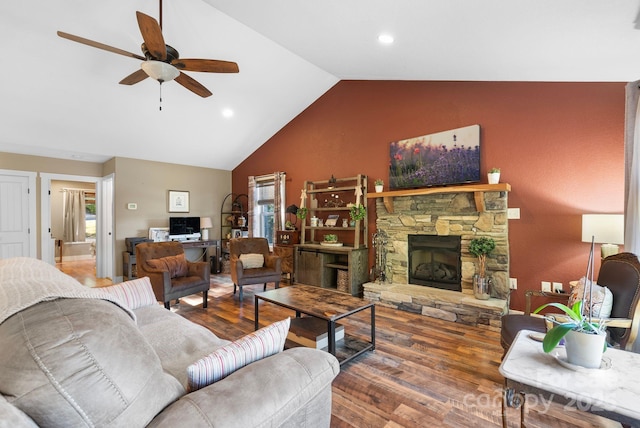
(513, 283)
(513, 213)
(546, 286)
(557, 287)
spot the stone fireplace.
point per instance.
(462, 213)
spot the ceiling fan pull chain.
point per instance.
(160, 95)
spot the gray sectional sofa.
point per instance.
(77, 357)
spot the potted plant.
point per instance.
(379, 185)
(494, 176)
(481, 247)
(585, 340)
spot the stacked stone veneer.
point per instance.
(445, 214)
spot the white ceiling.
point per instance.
(62, 99)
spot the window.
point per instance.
(266, 205)
(90, 214)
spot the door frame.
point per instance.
(103, 258)
(32, 222)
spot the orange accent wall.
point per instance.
(559, 145)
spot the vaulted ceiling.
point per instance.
(62, 99)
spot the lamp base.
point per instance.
(205, 234)
(607, 250)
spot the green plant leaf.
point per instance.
(553, 336)
(575, 316)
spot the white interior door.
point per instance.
(17, 214)
(104, 228)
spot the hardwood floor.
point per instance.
(424, 372)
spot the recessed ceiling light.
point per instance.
(385, 39)
(227, 112)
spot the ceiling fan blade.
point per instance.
(152, 35)
(192, 85)
(98, 45)
(206, 65)
(135, 77)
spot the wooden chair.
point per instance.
(270, 270)
(621, 274)
(171, 275)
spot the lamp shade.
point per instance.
(205, 222)
(161, 71)
(604, 228)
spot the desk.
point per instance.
(129, 260)
(613, 393)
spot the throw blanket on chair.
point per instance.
(25, 282)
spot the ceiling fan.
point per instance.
(161, 61)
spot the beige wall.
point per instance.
(147, 184)
(143, 182)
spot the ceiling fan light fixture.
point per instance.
(160, 71)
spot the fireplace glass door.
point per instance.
(434, 261)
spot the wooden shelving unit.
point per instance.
(320, 265)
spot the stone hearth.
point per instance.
(464, 211)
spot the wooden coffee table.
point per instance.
(327, 305)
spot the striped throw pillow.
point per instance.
(135, 293)
(223, 361)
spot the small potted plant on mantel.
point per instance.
(481, 247)
(379, 185)
(494, 176)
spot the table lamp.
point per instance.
(606, 229)
(205, 224)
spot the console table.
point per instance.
(613, 393)
(129, 259)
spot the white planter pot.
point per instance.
(493, 177)
(379, 188)
(585, 349)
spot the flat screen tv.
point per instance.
(449, 157)
(183, 226)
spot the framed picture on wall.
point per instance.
(178, 201)
(236, 233)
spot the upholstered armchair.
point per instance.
(172, 275)
(252, 263)
(621, 274)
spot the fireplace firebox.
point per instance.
(434, 261)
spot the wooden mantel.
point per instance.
(477, 189)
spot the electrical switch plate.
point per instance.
(513, 283)
(546, 286)
(513, 213)
(557, 287)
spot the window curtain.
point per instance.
(74, 223)
(279, 204)
(251, 205)
(632, 168)
(278, 179)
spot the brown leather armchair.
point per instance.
(269, 271)
(621, 274)
(171, 275)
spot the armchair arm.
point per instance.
(273, 262)
(237, 268)
(539, 293)
(198, 269)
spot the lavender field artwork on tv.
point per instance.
(449, 157)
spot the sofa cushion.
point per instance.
(135, 293)
(251, 261)
(221, 363)
(11, 416)
(177, 341)
(176, 265)
(82, 362)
